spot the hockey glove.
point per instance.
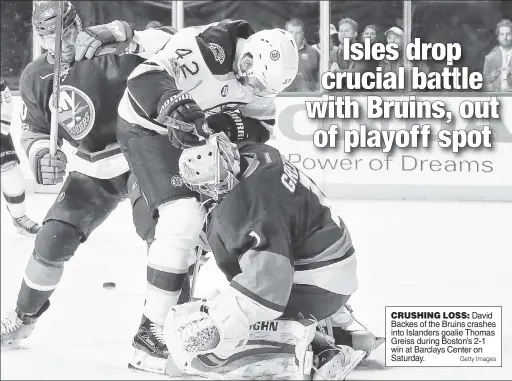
(102, 39)
(238, 127)
(47, 169)
(184, 119)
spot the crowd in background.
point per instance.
(477, 26)
(497, 69)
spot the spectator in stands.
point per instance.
(333, 39)
(154, 24)
(347, 28)
(309, 59)
(372, 32)
(394, 35)
(498, 63)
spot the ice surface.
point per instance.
(409, 253)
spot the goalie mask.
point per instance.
(211, 169)
(269, 62)
(44, 20)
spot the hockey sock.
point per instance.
(56, 242)
(13, 188)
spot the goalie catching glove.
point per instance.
(102, 39)
(216, 328)
(184, 119)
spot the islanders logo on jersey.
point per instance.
(76, 112)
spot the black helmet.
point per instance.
(44, 16)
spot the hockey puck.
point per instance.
(109, 285)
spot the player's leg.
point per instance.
(154, 162)
(334, 360)
(81, 206)
(143, 218)
(13, 188)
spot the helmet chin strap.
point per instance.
(240, 44)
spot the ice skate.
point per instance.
(359, 339)
(150, 352)
(335, 363)
(26, 226)
(17, 327)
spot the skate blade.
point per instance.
(15, 342)
(141, 361)
(26, 233)
(12, 346)
(378, 342)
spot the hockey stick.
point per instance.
(199, 253)
(54, 131)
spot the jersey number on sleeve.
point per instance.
(24, 111)
(193, 70)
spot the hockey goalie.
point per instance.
(288, 267)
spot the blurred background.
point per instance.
(471, 23)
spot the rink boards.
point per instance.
(416, 173)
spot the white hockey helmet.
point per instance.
(211, 169)
(275, 61)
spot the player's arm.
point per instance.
(5, 107)
(226, 33)
(35, 136)
(118, 37)
(238, 127)
(261, 291)
(153, 101)
(145, 43)
(254, 121)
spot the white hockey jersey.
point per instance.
(198, 60)
(6, 108)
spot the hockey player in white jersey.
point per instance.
(220, 76)
(13, 183)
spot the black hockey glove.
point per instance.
(238, 127)
(48, 169)
(184, 119)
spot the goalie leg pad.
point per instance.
(336, 363)
(275, 349)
